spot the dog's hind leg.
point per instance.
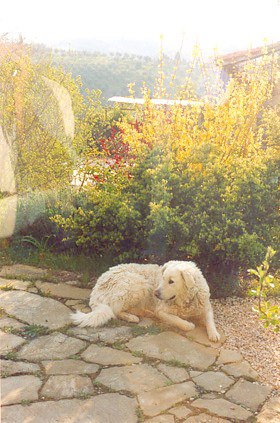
(131, 318)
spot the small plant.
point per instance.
(41, 246)
(11, 355)
(169, 383)
(140, 415)
(39, 374)
(142, 330)
(65, 329)
(138, 354)
(267, 312)
(32, 331)
(25, 402)
(83, 396)
(7, 287)
(176, 363)
(97, 383)
(9, 329)
(118, 346)
(75, 357)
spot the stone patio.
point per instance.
(122, 373)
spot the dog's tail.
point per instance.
(100, 315)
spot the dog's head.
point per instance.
(177, 282)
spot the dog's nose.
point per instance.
(157, 293)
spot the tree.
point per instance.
(39, 106)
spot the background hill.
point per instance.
(111, 73)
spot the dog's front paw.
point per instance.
(214, 336)
(186, 326)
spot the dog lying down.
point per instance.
(172, 293)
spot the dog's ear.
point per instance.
(164, 267)
(190, 284)
(188, 279)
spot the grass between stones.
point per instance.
(12, 355)
(88, 267)
(139, 414)
(176, 363)
(33, 331)
(28, 331)
(118, 346)
(142, 330)
(26, 403)
(7, 287)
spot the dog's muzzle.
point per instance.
(157, 293)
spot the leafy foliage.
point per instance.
(270, 314)
(42, 152)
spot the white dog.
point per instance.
(171, 293)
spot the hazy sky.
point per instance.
(212, 23)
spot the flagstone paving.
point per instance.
(55, 372)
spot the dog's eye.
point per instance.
(171, 282)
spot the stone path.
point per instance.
(122, 373)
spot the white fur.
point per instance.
(100, 315)
(130, 290)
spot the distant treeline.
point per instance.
(111, 73)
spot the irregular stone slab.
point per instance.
(8, 341)
(270, 413)
(228, 356)
(67, 386)
(71, 303)
(172, 346)
(62, 290)
(14, 284)
(8, 322)
(71, 366)
(194, 373)
(163, 418)
(29, 272)
(176, 374)
(180, 412)
(54, 346)
(33, 290)
(213, 381)
(109, 408)
(107, 335)
(88, 334)
(199, 334)
(108, 356)
(249, 394)
(210, 395)
(158, 400)
(35, 310)
(205, 418)
(223, 408)
(112, 335)
(242, 369)
(9, 367)
(19, 388)
(135, 379)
